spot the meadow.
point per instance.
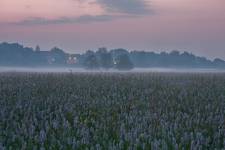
(112, 111)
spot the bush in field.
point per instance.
(112, 111)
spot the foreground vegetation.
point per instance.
(112, 111)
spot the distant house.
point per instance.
(72, 60)
(51, 60)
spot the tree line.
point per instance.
(14, 54)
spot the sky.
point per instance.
(196, 26)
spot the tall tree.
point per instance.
(37, 49)
(104, 58)
(90, 61)
(123, 62)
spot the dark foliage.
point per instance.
(123, 62)
(16, 55)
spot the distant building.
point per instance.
(51, 60)
(72, 60)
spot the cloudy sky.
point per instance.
(197, 26)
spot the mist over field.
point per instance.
(77, 70)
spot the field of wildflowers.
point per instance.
(112, 111)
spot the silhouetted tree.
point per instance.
(104, 58)
(90, 61)
(123, 62)
(57, 56)
(219, 63)
(37, 49)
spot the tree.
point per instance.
(37, 49)
(90, 61)
(58, 56)
(123, 62)
(104, 58)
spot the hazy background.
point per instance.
(77, 25)
(81, 70)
